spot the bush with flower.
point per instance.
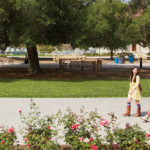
(83, 131)
(7, 138)
(130, 137)
(39, 132)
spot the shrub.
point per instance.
(83, 131)
(130, 137)
(7, 138)
(39, 133)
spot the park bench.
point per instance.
(64, 59)
(99, 63)
(94, 63)
(10, 62)
(1, 62)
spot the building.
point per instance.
(136, 50)
(125, 1)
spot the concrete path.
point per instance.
(54, 65)
(9, 107)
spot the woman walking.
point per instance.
(134, 92)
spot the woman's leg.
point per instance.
(146, 118)
(128, 107)
(129, 100)
(138, 108)
(137, 102)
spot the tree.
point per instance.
(39, 22)
(68, 22)
(106, 26)
(138, 5)
(141, 28)
(7, 11)
(29, 27)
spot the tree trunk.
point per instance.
(34, 67)
(112, 55)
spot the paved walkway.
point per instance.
(52, 65)
(9, 108)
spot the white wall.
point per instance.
(139, 50)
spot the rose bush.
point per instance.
(7, 138)
(39, 132)
(82, 131)
(131, 137)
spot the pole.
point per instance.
(141, 62)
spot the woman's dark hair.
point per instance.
(131, 75)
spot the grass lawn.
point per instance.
(68, 88)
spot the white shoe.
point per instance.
(145, 118)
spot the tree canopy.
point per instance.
(141, 28)
(7, 13)
(106, 25)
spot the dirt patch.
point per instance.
(117, 73)
(50, 73)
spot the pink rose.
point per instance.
(104, 123)
(28, 145)
(25, 139)
(11, 130)
(74, 126)
(94, 147)
(148, 135)
(80, 139)
(90, 139)
(20, 111)
(2, 142)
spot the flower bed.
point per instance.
(81, 132)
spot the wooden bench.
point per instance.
(10, 62)
(1, 62)
(62, 59)
(94, 63)
(99, 63)
(76, 64)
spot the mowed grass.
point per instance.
(68, 88)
